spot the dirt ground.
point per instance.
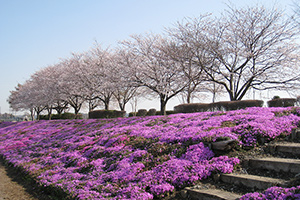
(16, 185)
(12, 187)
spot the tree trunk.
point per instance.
(77, 109)
(188, 98)
(38, 115)
(122, 106)
(106, 105)
(214, 92)
(38, 111)
(163, 104)
(49, 113)
(60, 107)
(231, 96)
(32, 114)
(106, 101)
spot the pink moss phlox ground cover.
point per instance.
(278, 193)
(6, 123)
(138, 157)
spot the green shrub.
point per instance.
(151, 112)
(141, 112)
(191, 107)
(70, 116)
(276, 97)
(236, 105)
(132, 114)
(61, 116)
(43, 117)
(282, 102)
(218, 106)
(168, 112)
(95, 114)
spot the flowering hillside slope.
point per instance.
(138, 157)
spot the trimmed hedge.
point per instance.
(237, 105)
(141, 112)
(168, 112)
(191, 108)
(151, 112)
(96, 114)
(61, 116)
(132, 114)
(282, 102)
(218, 106)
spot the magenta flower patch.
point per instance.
(138, 158)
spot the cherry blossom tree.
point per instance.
(17, 99)
(39, 93)
(153, 69)
(249, 48)
(70, 84)
(99, 80)
(246, 48)
(125, 88)
(27, 97)
(47, 80)
(190, 52)
(256, 49)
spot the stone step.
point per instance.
(276, 164)
(208, 194)
(295, 134)
(290, 148)
(252, 181)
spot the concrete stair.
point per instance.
(276, 164)
(288, 165)
(252, 181)
(295, 136)
(287, 148)
(209, 194)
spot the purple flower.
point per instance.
(140, 158)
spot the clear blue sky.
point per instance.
(37, 33)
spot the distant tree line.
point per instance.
(245, 48)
